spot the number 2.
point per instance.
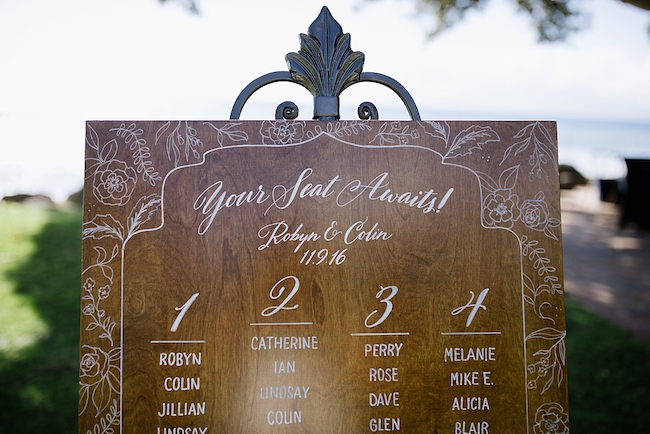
(272, 310)
(389, 305)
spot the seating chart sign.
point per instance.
(322, 277)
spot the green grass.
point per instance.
(39, 319)
(40, 267)
(609, 376)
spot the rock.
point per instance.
(39, 200)
(77, 198)
(570, 177)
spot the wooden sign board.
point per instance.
(322, 277)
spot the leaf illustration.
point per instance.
(107, 272)
(170, 143)
(561, 349)
(162, 131)
(549, 382)
(521, 144)
(234, 135)
(228, 131)
(83, 397)
(536, 139)
(380, 134)
(547, 333)
(91, 167)
(101, 395)
(548, 230)
(102, 226)
(527, 129)
(471, 138)
(560, 376)
(92, 139)
(436, 129)
(92, 326)
(487, 182)
(528, 283)
(101, 254)
(508, 178)
(141, 153)
(142, 212)
(108, 152)
(172, 148)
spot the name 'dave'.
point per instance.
(217, 196)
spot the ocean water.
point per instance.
(598, 149)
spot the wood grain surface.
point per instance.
(322, 277)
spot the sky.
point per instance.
(65, 62)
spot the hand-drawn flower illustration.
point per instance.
(98, 319)
(500, 208)
(89, 309)
(282, 132)
(551, 419)
(104, 292)
(500, 205)
(535, 215)
(89, 284)
(114, 182)
(398, 134)
(552, 360)
(99, 377)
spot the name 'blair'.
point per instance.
(182, 409)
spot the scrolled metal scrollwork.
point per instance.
(325, 65)
(367, 110)
(286, 110)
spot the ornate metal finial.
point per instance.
(325, 65)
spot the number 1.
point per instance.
(183, 309)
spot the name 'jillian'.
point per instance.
(216, 197)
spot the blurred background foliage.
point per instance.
(553, 19)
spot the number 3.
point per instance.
(389, 305)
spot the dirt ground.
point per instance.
(606, 269)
